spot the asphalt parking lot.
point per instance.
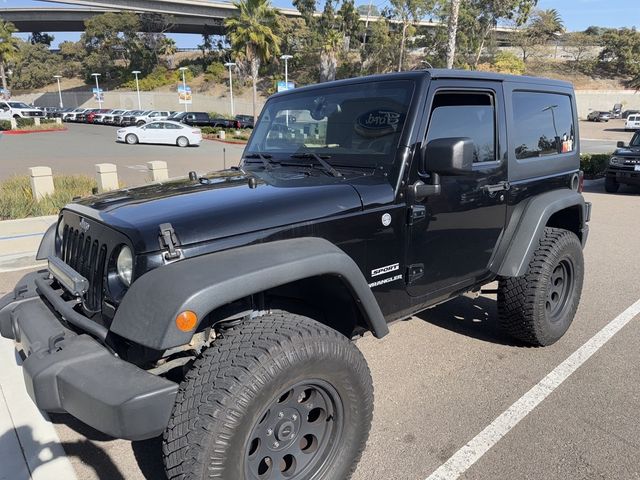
(443, 377)
(79, 148)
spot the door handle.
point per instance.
(498, 187)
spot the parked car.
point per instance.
(21, 110)
(151, 116)
(177, 116)
(165, 132)
(616, 111)
(632, 123)
(624, 165)
(54, 112)
(599, 116)
(84, 116)
(130, 117)
(253, 282)
(72, 115)
(109, 118)
(245, 121)
(5, 112)
(97, 116)
(202, 119)
(626, 113)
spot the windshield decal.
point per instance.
(378, 123)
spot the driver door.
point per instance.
(453, 234)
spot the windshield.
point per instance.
(18, 105)
(358, 124)
(635, 141)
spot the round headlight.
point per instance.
(60, 230)
(617, 160)
(124, 265)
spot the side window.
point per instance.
(465, 114)
(543, 124)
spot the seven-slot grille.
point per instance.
(86, 256)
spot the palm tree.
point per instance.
(547, 23)
(8, 47)
(253, 31)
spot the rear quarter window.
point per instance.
(543, 124)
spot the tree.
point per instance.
(621, 51)
(43, 38)
(578, 45)
(8, 48)
(35, 66)
(254, 31)
(452, 32)
(545, 24)
(408, 12)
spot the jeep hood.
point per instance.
(219, 205)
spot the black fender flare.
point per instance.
(47, 246)
(202, 284)
(527, 224)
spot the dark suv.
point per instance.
(220, 310)
(624, 165)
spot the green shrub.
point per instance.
(25, 122)
(47, 121)
(215, 73)
(16, 200)
(594, 165)
(5, 125)
(159, 77)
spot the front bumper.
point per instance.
(69, 372)
(624, 175)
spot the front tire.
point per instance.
(538, 307)
(611, 185)
(131, 139)
(281, 396)
(182, 142)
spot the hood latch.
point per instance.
(169, 241)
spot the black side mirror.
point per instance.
(449, 156)
(620, 145)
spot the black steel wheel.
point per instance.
(559, 290)
(280, 397)
(298, 433)
(538, 307)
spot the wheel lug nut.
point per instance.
(294, 417)
(269, 432)
(276, 444)
(280, 414)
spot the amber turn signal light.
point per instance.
(186, 321)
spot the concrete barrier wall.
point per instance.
(587, 100)
(149, 100)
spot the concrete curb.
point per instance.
(33, 447)
(20, 239)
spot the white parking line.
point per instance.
(464, 458)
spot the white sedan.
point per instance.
(167, 132)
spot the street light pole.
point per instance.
(230, 65)
(58, 77)
(96, 75)
(136, 73)
(184, 88)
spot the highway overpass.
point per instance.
(190, 16)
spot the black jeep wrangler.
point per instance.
(219, 310)
(624, 165)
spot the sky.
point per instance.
(577, 14)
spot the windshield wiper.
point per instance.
(265, 158)
(326, 165)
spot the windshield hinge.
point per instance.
(169, 241)
(498, 187)
(417, 213)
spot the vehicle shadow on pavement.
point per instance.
(84, 450)
(475, 318)
(147, 453)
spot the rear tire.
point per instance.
(538, 307)
(140, 123)
(182, 142)
(611, 185)
(131, 139)
(282, 394)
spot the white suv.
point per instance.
(152, 116)
(632, 123)
(21, 110)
